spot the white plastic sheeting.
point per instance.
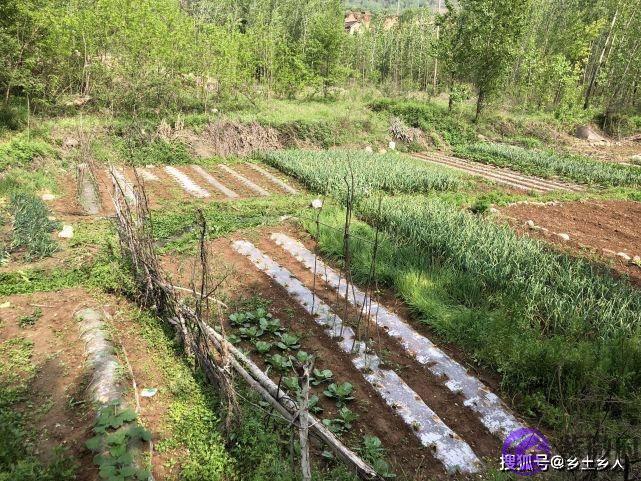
(147, 175)
(274, 179)
(492, 412)
(100, 357)
(213, 182)
(121, 183)
(186, 183)
(244, 180)
(455, 454)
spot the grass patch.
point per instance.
(549, 164)
(175, 226)
(27, 181)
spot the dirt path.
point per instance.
(499, 175)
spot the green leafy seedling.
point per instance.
(288, 342)
(342, 393)
(292, 384)
(252, 333)
(263, 347)
(319, 377)
(280, 363)
(238, 319)
(30, 320)
(270, 325)
(313, 405)
(303, 357)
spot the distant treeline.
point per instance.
(132, 55)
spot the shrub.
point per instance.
(20, 152)
(429, 118)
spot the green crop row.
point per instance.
(565, 339)
(549, 164)
(330, 172)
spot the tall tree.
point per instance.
(483, 38)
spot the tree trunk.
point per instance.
(597, 67)
(479, 104)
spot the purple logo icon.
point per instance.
(525, 452)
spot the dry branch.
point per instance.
(211, 350)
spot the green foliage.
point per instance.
(31, 226)
(430, 118)
(342, 393)
(550, 324)
(117, 433)
(549, 164)
(329, 172)
(343, 423)
(372, 451)
(483, 38)
(30, 181)
(288, 342)
(321, 376)
(174, 225)
(21, 151)
(158, 152)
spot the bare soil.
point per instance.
(592, 225)
(56, 408)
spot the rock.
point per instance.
(530, 224)
(392, 145)
(70, 143)
(565, 237)
(494, 210)
(48, 197)
(608, 252)
(624, 256)
(369, 149)
(66, 232)
(148, 392)
(5, 305)
(636, 159)
(51, 218)
(150, 166)
(636, 260)
(317, 203)
(586, 132)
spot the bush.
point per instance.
(21, 152)
(430, 118)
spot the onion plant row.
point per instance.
(564, 295)
(330, 172)
(548, 164)
(491, 293)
